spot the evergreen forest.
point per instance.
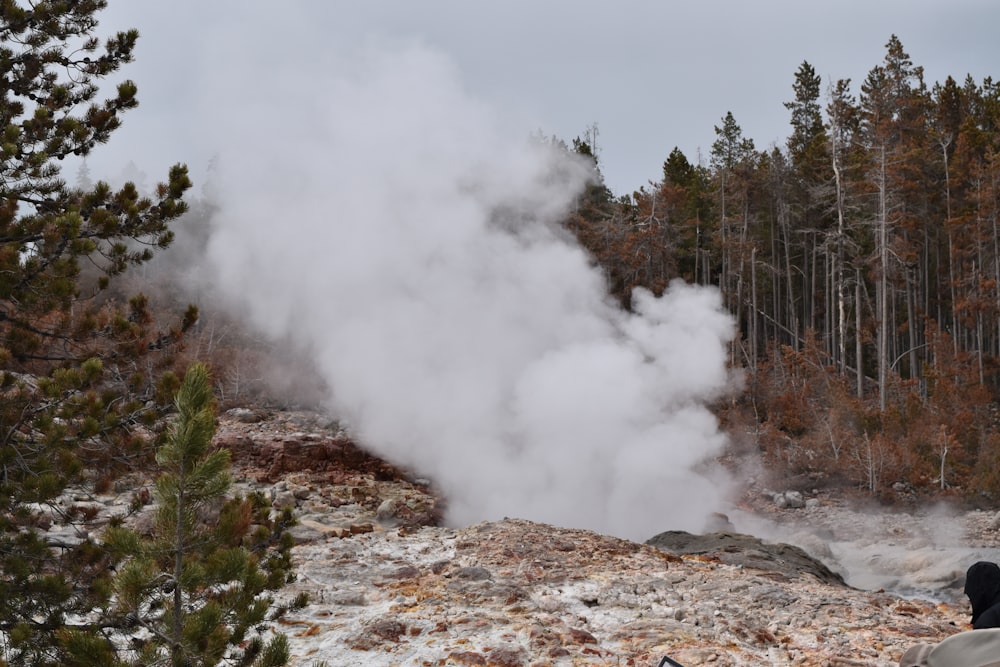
(861, 260)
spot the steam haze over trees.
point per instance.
(856, 255)
(841, 244)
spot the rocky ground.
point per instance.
(389, 586)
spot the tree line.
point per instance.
(867, 246)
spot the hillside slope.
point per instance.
(390, 587)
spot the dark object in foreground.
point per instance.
(982, 585)
(668, 662)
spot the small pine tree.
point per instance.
(197, 588)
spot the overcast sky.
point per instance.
(651, 74)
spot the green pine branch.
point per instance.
(199, 587)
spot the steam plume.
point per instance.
(388, 222)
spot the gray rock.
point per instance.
(387, 510)
(794, 499)
(473, 573)
(283, 499)
(717, 521)
(303, 533)
(748, 551)
(348, 598)
(244, 415)
(789, 500)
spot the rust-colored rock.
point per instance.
(581, 636)
(403, 590)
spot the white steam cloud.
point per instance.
(391, 224)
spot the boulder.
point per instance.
(747, 551)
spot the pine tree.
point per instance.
(734, 159)
(894, 130)
(685, 189)
(808, 133)
(77, 373)
(197, 588)
(819, 237)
